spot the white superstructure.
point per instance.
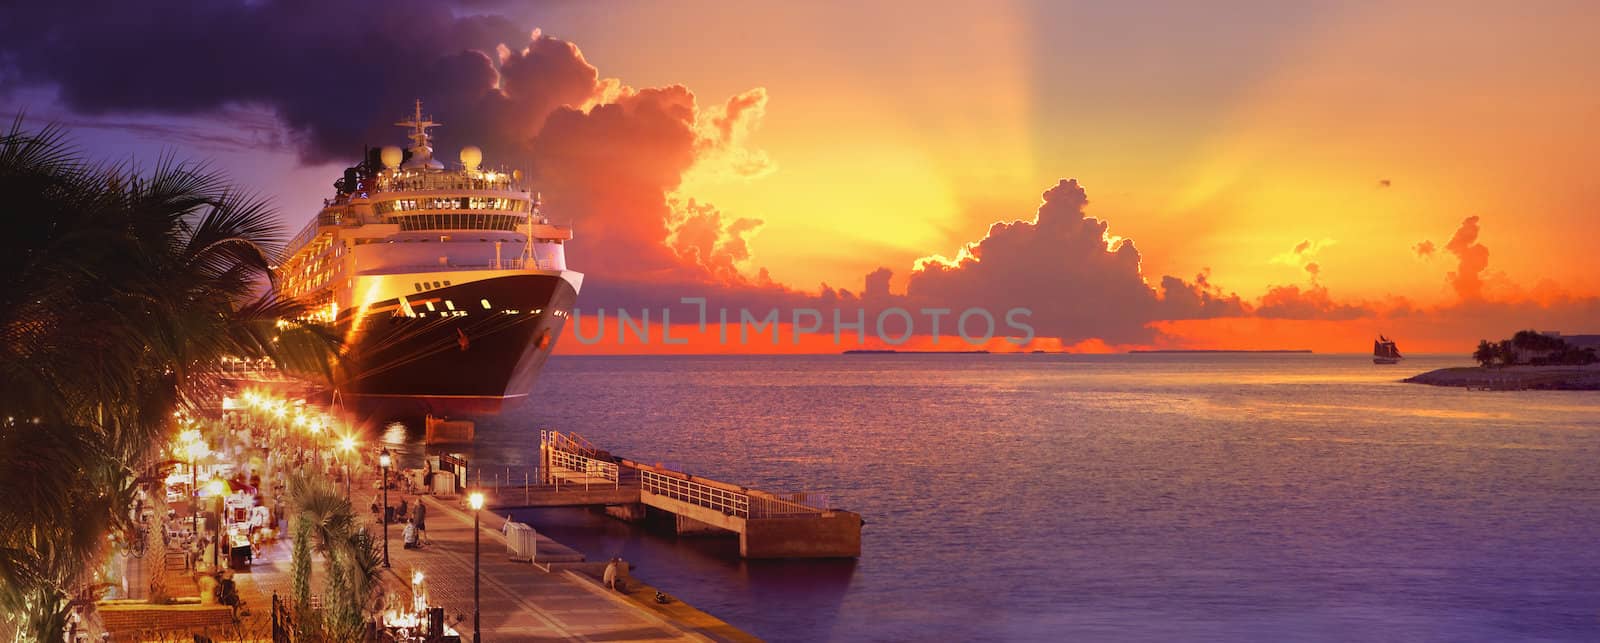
(404, 224)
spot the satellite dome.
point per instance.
(471, 156)
(391, 156)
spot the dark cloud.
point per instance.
(1383, 183)
(1313, 302)
(606, 157)
(335, 71)
(1472, 259)
(1079, 281)
(1424, 249)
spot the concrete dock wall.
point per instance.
(834, 534)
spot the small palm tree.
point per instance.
(353, 563)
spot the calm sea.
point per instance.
(1127, 497)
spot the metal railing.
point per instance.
(793, 505)
(731, 503)
(505, 264)
(569, 442)
(582, 470)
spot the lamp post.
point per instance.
(348, 445)
(215, 487)
(193, 449)
(476, 501)
(384, 461)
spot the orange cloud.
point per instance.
(1472, 258)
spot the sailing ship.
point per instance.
(447, 283)
(1385, 352)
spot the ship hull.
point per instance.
(468, 349)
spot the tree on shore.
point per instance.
(1486, 354)
(1542, 349)
(119, 289)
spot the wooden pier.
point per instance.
(573, 473)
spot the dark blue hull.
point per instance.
(468, 349)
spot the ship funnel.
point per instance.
(471, 156)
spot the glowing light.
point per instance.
(214, 487)
(475, 500)
(416, 577)
(347, 443)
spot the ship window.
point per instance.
(435, 284)
(449, 304)
(485, 303)
(447, 282)
(418, 286)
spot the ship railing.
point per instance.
(310, 231)
(506, 264)
(730, 503)
(424, 181)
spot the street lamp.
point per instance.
(476, 502)
(215, 488)
(194, 450)
(347, 444)
(384, 461)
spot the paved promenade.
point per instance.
(519, 602)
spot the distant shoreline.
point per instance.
(1514, 378)
(1219, 350)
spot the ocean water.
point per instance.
(1125, 497)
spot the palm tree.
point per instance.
(353, 564)
(118, 289)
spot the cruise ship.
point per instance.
(448, 285)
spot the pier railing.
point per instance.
(731, 503)
(587, 470)
(569, 442)
(795, 505)
(572, 461)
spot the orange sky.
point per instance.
(1217, 137)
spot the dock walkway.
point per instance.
(520, 602)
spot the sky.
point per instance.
(1163, 174)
